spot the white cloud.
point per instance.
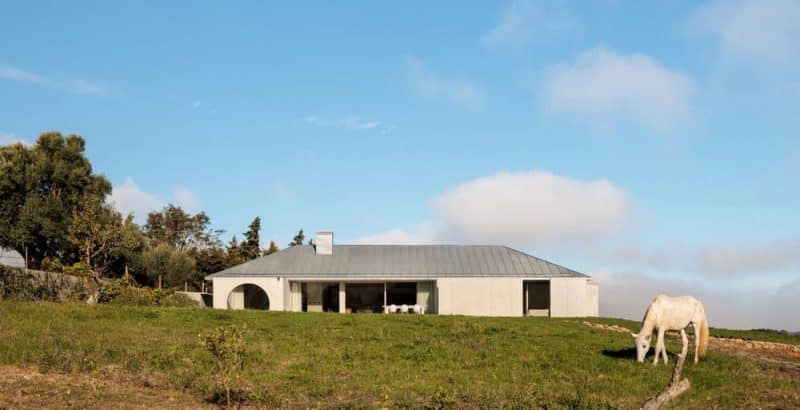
(9, 138)
(602, 83)
(19, 75)
(129, 198)
(524, 209)
(432, 85)
(397, 237)
(627, 295)
(524, 21)
(85, 87)
(765, 32)
(348, 123)
(749, 258)
(75, 85)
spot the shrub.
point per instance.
(21, 285)
(226, 344)
(123, 291)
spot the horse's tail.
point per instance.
(702, 333)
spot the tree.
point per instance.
(101, 235)
(181, 230)
(234, 253)
(273, 247)
(41, 187)
(298, 239)
(163, 260)
(251, 248)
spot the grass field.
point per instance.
(298, 360)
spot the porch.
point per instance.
(362, 296)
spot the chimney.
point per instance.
(324, 243)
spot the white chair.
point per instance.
(403, 308)
(417, 309)
(392, 308)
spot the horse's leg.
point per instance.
(664, 349)
(685, 340)
(659, 345)
(696, 343)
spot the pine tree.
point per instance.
(273, 247)
(251, 248)
(298, 239)
(234, 253)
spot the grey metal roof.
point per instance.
(372, 261)
(12, 258)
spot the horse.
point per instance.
(668, 313)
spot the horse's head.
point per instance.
(642, 345)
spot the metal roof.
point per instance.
(408, 261)
(12, 258)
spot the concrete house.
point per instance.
(436, 279)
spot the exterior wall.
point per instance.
(479, 296)
(573, 297)
(273, 286)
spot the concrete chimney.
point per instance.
(324, 243)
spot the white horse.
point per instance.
(666, 313)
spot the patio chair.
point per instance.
(417, 309)
(403, 308)
(392, 308)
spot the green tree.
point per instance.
(174, 267)
(101, 236)
(181, 230)
(234, 253)
(273, 247)
(251, 246)
(41, 187)
(298, 239)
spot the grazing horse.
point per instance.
(666, 313)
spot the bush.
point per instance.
(18, 284)
(226, 344)
(123, 291)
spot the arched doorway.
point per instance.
(248, 296)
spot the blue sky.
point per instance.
(654, 146)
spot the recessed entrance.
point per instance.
(248, 296)
(536, 296)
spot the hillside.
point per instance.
(129, 357)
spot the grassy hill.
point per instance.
(368, 361)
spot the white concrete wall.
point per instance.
(573, 297)
(273, 286)
(480, 296)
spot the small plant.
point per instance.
(226, 344)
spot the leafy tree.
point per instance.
(101, 235)
(41, 187)
(163, 260)
(209, 260)
(298, 239)
(251, 247)
(181, 230)
(273, 247)
(234, 253)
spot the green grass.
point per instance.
(331, 360)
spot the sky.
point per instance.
(653, 146)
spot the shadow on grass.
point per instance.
(627, 353)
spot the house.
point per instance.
(441, 279)
(11, 258)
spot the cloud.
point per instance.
(398, 237)
(19, 75)
(523, 209)
(85, 87)
(764, 32)
(76, 85)
(749, 258)
(627, 295)
(433, 86)
(347, 123)
(602, 83)
(524, 21)
(9, 138)
(195, 104)
(128, 198)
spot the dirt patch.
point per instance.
(26, 388)
(771, 351)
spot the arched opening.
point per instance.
(248, 296)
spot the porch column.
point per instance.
(342, 304)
